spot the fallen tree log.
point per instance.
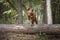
(48, 29)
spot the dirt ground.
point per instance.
(21, 36)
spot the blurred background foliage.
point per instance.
(9, 12)
(9, 15)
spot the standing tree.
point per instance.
(17, 5)
(49, 13)
(19, 10)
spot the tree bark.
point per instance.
(48, 29)
(48, 11)
(19, 11)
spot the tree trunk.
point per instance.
(48, 11)
(19, 11)
(48, 29)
